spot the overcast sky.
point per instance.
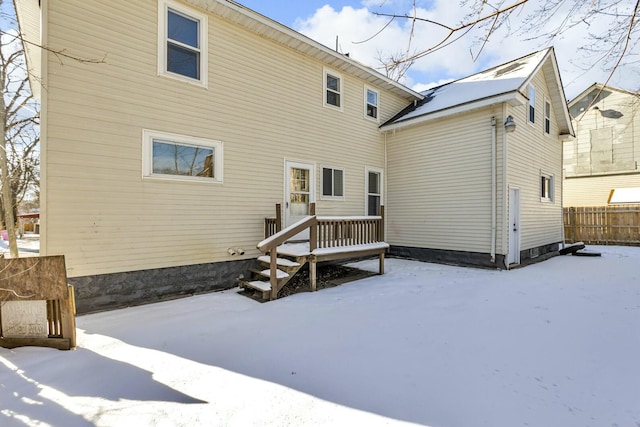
(356, 20)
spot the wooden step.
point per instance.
(282, 262)
(258, 285)
(279, 274)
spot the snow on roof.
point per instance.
(503, 79)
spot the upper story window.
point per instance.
(371, 103)
(532, 104)
(332, 89)
(547, 117)
(182, 42)
(332, 182)
(179, 157)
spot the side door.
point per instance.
(299, 192)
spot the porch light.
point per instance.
(509, 124)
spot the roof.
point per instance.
(504, 83)
(600, 86)
(268, 28)
(593, 95)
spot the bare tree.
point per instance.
(18, 134)
(544, 20)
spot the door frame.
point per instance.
(515, 229)
(288, 164)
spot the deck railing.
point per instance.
(348, 231)
(335, 231)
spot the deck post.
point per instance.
(278, 217)
(273, 273)
(381, 236)
(312, 272)
(381, 263)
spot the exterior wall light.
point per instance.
(509, 124)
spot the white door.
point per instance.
(514, 226)
(299, 192)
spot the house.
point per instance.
(474, 169)
(171, 129)
(601, 163)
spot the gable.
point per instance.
(506, 83)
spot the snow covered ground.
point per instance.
(552, 344)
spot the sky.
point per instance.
(355, 21)
(550, 344)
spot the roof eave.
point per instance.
(279, 33)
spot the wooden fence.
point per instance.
(603, 225)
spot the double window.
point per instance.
(182, 42)
(332, 89)
(178, 157)
(332, 183)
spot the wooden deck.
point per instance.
(330, 238)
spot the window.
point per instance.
(333, 89)
(182, 43)
(374, 191)
(332, 182)
(547, 117)
(169, 156)
(546, 187)
(371, 103)
(532, 104)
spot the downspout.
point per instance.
(493, 189)
(505, 193)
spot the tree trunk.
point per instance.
(7, 199)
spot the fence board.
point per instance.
(603, 225)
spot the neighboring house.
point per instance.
(461, 188)
(601, 163)
(160, 164)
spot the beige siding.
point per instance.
(594, 191)
(530, 152)
(593, 165)
(264, 102)
(439, 183)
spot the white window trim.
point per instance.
(326, 71)
(366, 186)
(545, 117)
(163, 7)
(366, 104)
(147, 156)
(552, 183)
(529, 104)
(344, 177)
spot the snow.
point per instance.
(551, 344)
(506, 78)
